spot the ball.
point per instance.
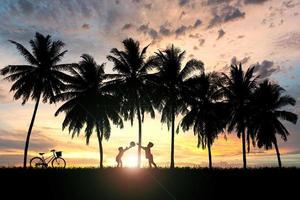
(132, 144)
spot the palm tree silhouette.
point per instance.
(42, 79)
(169, 98)
(89, 103)
(133, 83)
(208, 114)
(238, 88)
(268, 102)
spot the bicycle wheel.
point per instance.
(58, 163)
(37, 162)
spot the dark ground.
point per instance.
(181, 183)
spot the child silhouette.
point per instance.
(148, 153)
(121, 152)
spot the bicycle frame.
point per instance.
(50, 159)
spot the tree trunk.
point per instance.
(209, 154)
(100, 136)
(244, 150)
(140, 136)
(278, 153)
(172, 138)
(30, 129)
(248, 143)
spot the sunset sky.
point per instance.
(218, 32)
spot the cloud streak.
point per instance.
(224, 13)
(265, 69)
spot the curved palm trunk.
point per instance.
(172, 139)
(278, 153)
(244, 149)
(140, 136)
(30, 130)
(100, 136)
(209, 154)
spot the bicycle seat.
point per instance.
(52, 150)
(41, 154)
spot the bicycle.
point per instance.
(56, 160)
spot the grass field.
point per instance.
(179, 183)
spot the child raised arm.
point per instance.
(121, 152)
(144, 148)
(148, 153)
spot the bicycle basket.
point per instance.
(58, 154)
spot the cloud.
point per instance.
(233, 14)
(136, 1)
(26, 7)
(201, 42)
(197, 23)
(152, 33)
(290, 40)
(127, 26)
(221, 33)
(195, 36)
(182, 14)
(191, 55)
(225, 13)
(254, 1)
(290, 4)
(266, 69)
(14, 140)
(148, 6)
(235, 61)
(86, 26)
(216, 2)
(164, 30)
(144, 28)
(183, 2)
(181, 30)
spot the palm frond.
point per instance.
(25, 53)
(193, 66)
(287, 116)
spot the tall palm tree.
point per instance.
(133, 83)
(89, 103)
(268, 102)
(207, 114)
(238, 88)
(169, 98)
(42, 78)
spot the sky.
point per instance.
(265, 33)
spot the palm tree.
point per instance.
(169, 98)
(238, 88)
(133, 83)
(207, 114)
(268, 102)
(42, 78)
(89, 103)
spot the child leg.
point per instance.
(154, 164)
(149, 161)
(118, 162)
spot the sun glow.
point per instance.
(130, 161)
